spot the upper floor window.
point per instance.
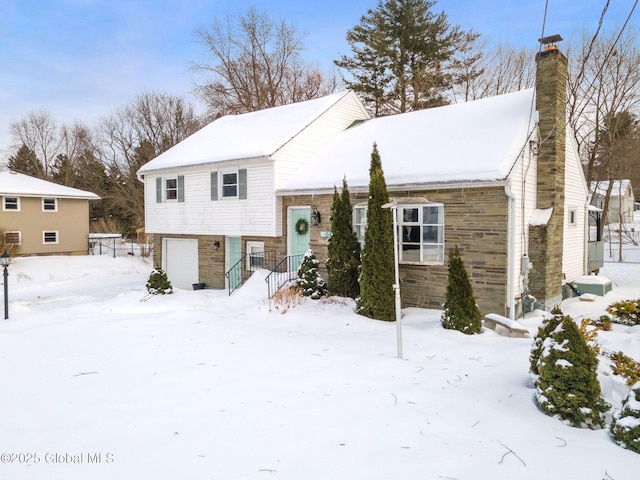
(49, 205)
(171, 189)
(11, 203)
(230, 184)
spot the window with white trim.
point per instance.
(171, 188)
(573, 217)
(229, 184)
(50, 237)
(255, 255)
(49, 204)
(421, 233)
(13, 238)
(360, 222)
(11, 204)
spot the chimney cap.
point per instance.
(550, 39)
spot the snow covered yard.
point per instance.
(98, 384)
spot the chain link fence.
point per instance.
(622, 274)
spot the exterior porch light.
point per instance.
(315, 217)
(5, 260)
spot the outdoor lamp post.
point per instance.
(5, 260)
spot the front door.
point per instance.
(234, 255)
(298, 237)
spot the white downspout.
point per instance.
(511, 245)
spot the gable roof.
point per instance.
(249, 135)
(473, 141)
(19, 184)
(600, 187)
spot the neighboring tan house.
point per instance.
(621, 200)
(499, 177)
(42, 217)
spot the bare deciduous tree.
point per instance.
(255, 63)
(486, 73)
(135, 134)
(605, 82)
(39, 132)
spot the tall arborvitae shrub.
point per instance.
(309, 280)
(343, 264)
(567, 384)
(377, 297)
(158, 283)
(460, 311)
(625, 426)
(549, 324)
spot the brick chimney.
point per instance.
(546, 241)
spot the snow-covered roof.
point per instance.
(249, 135)
(472, 141)
(19, 184)
(600, 187)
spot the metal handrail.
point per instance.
(285, 271)
(237, 275)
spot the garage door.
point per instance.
(180, 261)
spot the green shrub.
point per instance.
(625, 426)
(309, 280)
(626, 312)
(626, 367)
(567, 384)
(460, 311)
(158, 283)
(549, 324)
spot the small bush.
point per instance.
(309, 280)
(567, 384)
(590, 333)
(286, 298)
(460, 311)
(626, 312)
(549, 324)
(626, 367)
(625, 426)
(158, 283)
(603, 323)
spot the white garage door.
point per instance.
(180, 261)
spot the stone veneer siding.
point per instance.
(475, 220)
(546, 241)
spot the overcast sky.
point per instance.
(83, 59)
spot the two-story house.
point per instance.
(499, 177)
(44, 218)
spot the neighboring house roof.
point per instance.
(473, 141)
(18, 184)
(250, 135)
(601, 187)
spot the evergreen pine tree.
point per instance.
(625, 426)
(158, 283)
(309, 280)
(567, 384)
(377, 297)
(549, 324)
(402, 54)
(460, 311)
(343, 264)
(26, 161)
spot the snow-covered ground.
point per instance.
(96, 383)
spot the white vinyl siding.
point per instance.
(304, 145)
(575, 199)
(199, 215)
